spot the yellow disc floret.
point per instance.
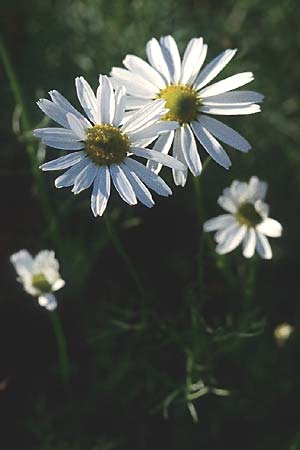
(247, 215)
(40, 282)
(105, 145)
(182, 101)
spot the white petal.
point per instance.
(63, 144)
(144, 70)
(64, 161)
(193, 59)
(179, 176)
(105, 106)
(77, 126)
(68, 178)
(224, 133)
(145, 116)
(58, 284)
(136, 102)
(232, 240)
(172, 57)
(262, 208)
(163, 145)
(257, 189)
(211, 145)
(159, 157)
(85, 178)
(227, 203)
(270, 227)
(141, 192)
(249, 243)
(122, 184)
(235, 98)
(53, 111)
(135, 85)
(228, 84)
(218, 222)
(189, 150)
(154, 130)
(120, 104)
(221, 235)
(101, 191)
(60, 134)
(214, 68)
(48, 301)
(150, 178)
(61, 101)
(22, 262)
(157, 60)
(231, 110)
(86, 97)
(263, 247)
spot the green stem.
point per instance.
(249, 281)
(61, 348)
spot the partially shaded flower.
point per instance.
(184, 86)
(103, 146)
(39, 275)
(248, 221)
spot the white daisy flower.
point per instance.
(39, 275)
(102, 145)
(248, 220)
(185, 88)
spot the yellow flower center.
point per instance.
(40, 282)
(247, 215)
(182, 101)
(106, 145)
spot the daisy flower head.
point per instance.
(247, 221)
(103, 145)
(39, 275)
(184, 85)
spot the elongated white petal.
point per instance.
(157, 60)
(22, 262)
(189, 150)
(249, 243)
(228, 84)
(101, 191)
(61, 134)
(179, 176)
(211, 145)
(231, 110)
(166, 160)
(58, 284)
(224, 133)
(172, 57)
(136, 102)
(120, 105)
(235, 98)
(227, 203)
(54, 111)
(144, 70)
(233, 239)
(270, 227)
(134, 83)
(122, 184)
(222, 233)
(154, 130)
(140, 190)
(257, 191)
(263, 247)
(192, 62)
(61, 101)
(85, 178)
(86, 97)
(212, 69)
(150, 178)
(145, 116)
(64, 161)
(63, 144)
(68, 178)
(163, 145)
(218, 222)
(48, 301)
(77, 126)
(105, 101)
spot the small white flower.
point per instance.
(248, 220)
(103, 145)
(39, 275)
(183, 85)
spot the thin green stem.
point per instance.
(64, 364)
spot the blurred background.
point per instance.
(136, 352)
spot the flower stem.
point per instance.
(61, 348)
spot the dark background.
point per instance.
(124, 368)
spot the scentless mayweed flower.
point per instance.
(39, 275)
(184, 87)
(103, 146)
(247, 221)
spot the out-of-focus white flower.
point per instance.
(104, 144)
(248, 221)
(283, 332)
(39, 275)
(184, 85)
